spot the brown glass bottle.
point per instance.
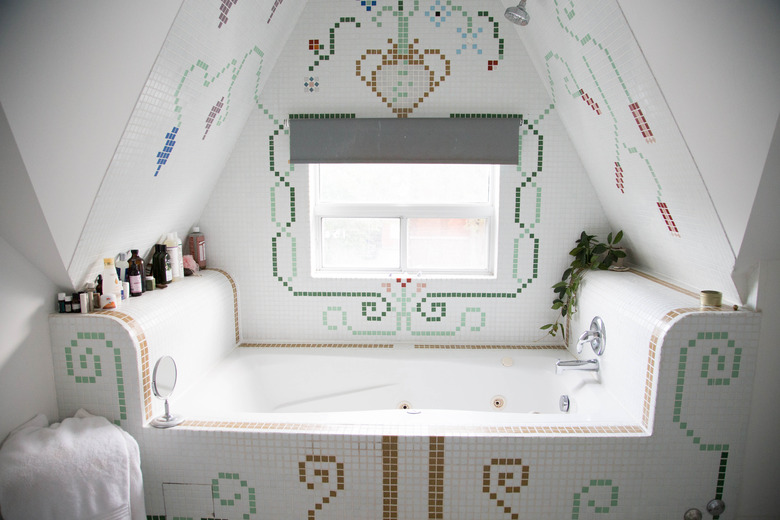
(139, 271)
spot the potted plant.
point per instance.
(589, 255)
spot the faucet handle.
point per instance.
(585, 337)
(596, 336)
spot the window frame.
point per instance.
(403, 212)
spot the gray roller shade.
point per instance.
(423, 140)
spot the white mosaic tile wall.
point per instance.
(202, 87)
(705, 360)
(625, 133)
(257, 218)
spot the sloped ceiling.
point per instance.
(114, 169)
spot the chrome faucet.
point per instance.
(596, 336)
(583, 365)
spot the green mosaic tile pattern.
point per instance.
(719, 366)
(88, 367)
(396, 298)
(603, 505)
(229, 490)
(573, 88)
(199, 71)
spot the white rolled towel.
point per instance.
(84, 468)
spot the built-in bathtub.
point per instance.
(403, 387)
(255, 427)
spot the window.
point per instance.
(380, 219)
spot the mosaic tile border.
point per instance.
(493, 347)
(235, 298)
(315, 345)
(391, 345)
(143, 347)
(335, 429)
(395, 298)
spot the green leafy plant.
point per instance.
(589, 255)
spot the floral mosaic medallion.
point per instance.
(403, 79)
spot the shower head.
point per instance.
(517, 14)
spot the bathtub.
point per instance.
(413, 389)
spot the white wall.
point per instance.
(18, 204)
(72, 73)
(717, 65)
(26, 372)
(758, 267)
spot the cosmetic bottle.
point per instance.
(121, 266)
(161, 266)
(61, 302)
(75, 303)
(173, 246)
(68, 303)
(136, 274)
(196, 242)
(111, 286)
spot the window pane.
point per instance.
(448, 243)
(405, 183)
(361, 242)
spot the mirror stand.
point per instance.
(163, 383)
(167, 420)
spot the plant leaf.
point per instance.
(618, 237)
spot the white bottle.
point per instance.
(173, 246)
(111, 285)
(121, 266)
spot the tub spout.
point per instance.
(587, 365)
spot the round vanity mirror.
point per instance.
(163, 383)
(164, 377)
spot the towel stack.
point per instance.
(84, 468)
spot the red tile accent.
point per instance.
(668, 219)
(619, 177)
(641, 122)
(589, 100)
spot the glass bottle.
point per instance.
(136, 260)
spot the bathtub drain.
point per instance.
(498, 402)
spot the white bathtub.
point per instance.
(409, 389)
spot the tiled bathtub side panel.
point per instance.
(193, 321)
(707, 368)
(633, 309)
(694, 455)
(96, 367)
(266, 476)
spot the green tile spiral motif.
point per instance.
(720, 366)
(84, 362)
(602, 505)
